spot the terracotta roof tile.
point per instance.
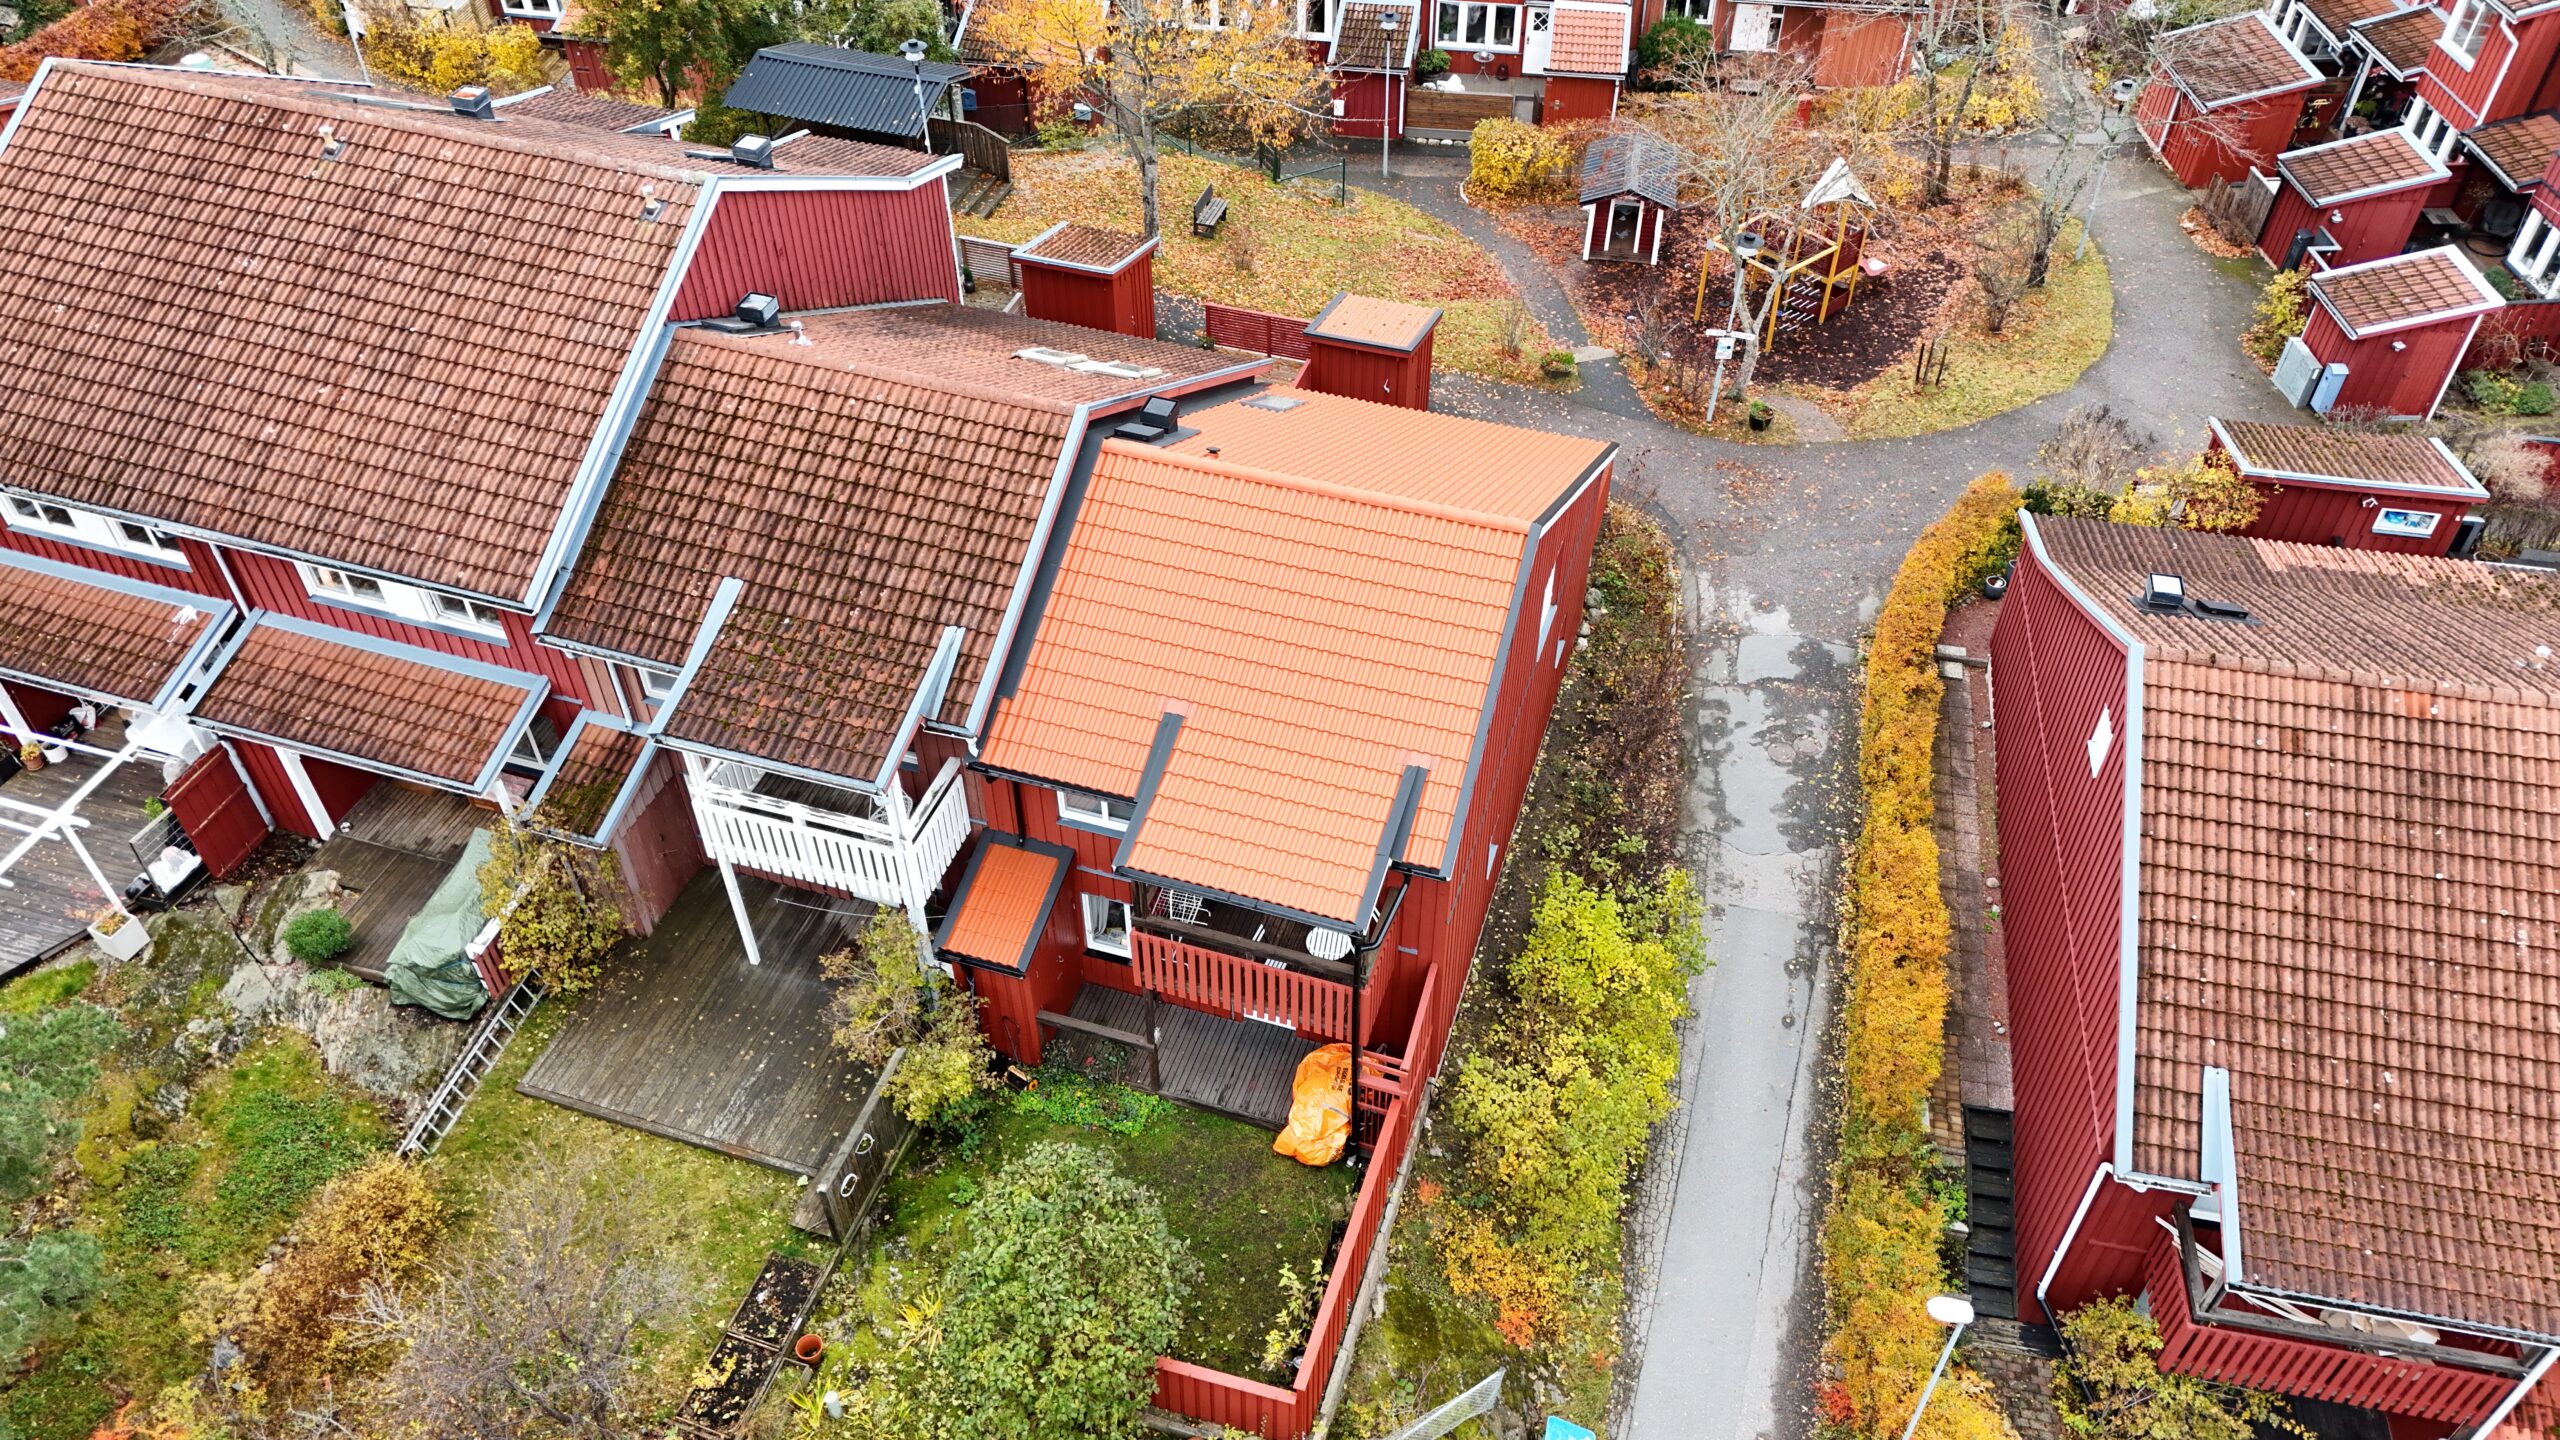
(2411, 462)
(2380, 296)
(1361, 41)
(2340, 17)
(1003, 901)
(2366, 164)
(370, 701)
(588, 112)
(864, 513)
(2402, 42)
(96, 634)
(1366, 320)
(2350, 888)
(1086, 248)
(2519, 149)
(1589, 40)
(2221, 61)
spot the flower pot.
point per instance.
(1760, 419)
(808, 1350)
(124, 942)
(55, 754)
(31, 760)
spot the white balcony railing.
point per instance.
(895, 857)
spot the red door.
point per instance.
(214, 806)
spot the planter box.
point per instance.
(127, 940)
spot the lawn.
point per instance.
(719, 1216)
(1285, 248)
(1243, 1210)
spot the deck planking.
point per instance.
(47, 906)
(390, 853)
(1239, 1068)
(685, 1040)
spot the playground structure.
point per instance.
(1814, 254)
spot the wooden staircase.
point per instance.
(975, 194)
(463, 1080)
(1991, 1241)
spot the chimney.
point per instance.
(474, 101)
(754, 151)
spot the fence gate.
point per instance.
(214, 806)
(2239, 212)
(864, 1159)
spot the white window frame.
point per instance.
(528, 750)
(1097, 911)
(1079, 807)
(35, 515)
(532, 9)
(1332, 11)
(410, 604)
(2466, 30)
(656, 686)
(2429, 130)
(1453, 39)
(1547, 614)
(2531, 257)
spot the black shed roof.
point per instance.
(844, 89)
(1626, 163)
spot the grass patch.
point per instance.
(1285, 248)
(1244, 1210)
(719, 1216)
(2052, 338)
(44, 989)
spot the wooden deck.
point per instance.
(684, 1039)
(47, 906)
(1240, 1068)
(390, 853)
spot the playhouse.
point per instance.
(1814, 254)
(1630, 188)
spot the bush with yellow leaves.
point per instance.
(2004, 98)
(1511, 161)
(440, 59)
(2205, 493)
(371, 1226)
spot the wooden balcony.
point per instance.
(1237, 987)
(889, 851)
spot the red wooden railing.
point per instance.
(2445, 1393)
(1260, 331)
(1240, 989)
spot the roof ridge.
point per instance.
(874, 370)
(1309, 484)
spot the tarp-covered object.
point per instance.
(427, 966)
(1320, 1110)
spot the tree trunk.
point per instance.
(1946, 146)
(1142, 144)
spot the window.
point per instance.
(1467, 25)
(412, 603)
(2465, 27)
(84, 527)
(143, 537)
(2537, 245)
(458, 610)
(532, 9)
(1315, 19)
(1106, 924)
(1099, 811)
(535, 747)
(656, 686)
(1547, 616)
(2428, 130)
(346, 586)
(37, 512)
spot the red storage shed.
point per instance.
(2223, 98)
(1371, 349)
(1371, 61)
(2358, 491)
(1100, 279)
(2399, 326)
(2363, 194)
(1582, 50)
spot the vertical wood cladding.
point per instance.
(822, 249)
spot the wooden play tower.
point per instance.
(1814, 254)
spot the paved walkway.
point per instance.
(1788, 554)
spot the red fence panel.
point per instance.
(214, 806)
(1240, 989)
(1260, 331)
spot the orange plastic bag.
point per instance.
(1320, 1112)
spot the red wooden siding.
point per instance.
(2375, 228)
(2053, 671)
(819, 249)
(2320, 515)
(38, 707)
(587, 67)
(200, 576)
(658, 848)
(266, 772)
(2197, 146)
(1576, 97)
(1235, 328)
(1860, 50)
(1124, 303)
(338, 786)
(1238, 989)
(1384, 376)
(2512, 76)
(212, 803)
(1364, 98)
(2399, 374)
(1595, 230)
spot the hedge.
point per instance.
(103, 30)
(1880, 1240)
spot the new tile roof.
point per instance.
(1086, 247)
(96, 634)
(2380, 296)
(2350, 888)
(370, 700)
(1367, 320)
(2519, 148)
(2318, 452)
(1589, 40)
(2364, 165)
(589, 112)
(1629, 162)
(847, 89)
(1362, 42)
(1004, 899)
(2222, 61)
(965, 345)
(865, 511)
(2402, 42)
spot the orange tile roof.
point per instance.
(1083, 247)
(96, 633)
(2402, 42)
(2363, 165)
(1004, 899)
(2231, 59)
(1589, 40)
(1367, 320)
(1419, 455)
(1319, 637)
(2380, 296)
(2318, 453)
(335, 692)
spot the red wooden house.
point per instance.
(2385, 337)
(1371, 60)
(2534, 258)
(2353, 489)
(2349, 200)
(1099, 279)
(2275, 858)
(2223, 98)
(1583, 48)
(1842, 45)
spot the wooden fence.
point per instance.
(2238, 212)
(1235, 328)
(990, 262)
(974, 143)
(1239, 989)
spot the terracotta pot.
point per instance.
(808, 1349)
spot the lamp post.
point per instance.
(914, 51)
(1386, 94)
(1745, 246)
(1956, 1312)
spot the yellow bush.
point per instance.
(369, 1226)
(439, 59)
(1511, 161)
(1880, 1238)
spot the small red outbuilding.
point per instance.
(1100, 279)
(2223, 98)
(1630, 187)
(1371, 349)
(2385, 337)
(2318, 485)
(2360, 195)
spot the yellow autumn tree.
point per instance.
(1142, 63)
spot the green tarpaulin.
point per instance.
(427, 966)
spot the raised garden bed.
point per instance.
(726, 1387)
(776, 1303)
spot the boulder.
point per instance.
(362, 1037)
(291, 896)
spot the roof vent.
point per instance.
(1042, 354)
(1155, 421)
(2221, 610)
(2165, 592)
(1273, 400)
(762, 311)
(753, 151)
(1117, 369)
(475, 101)
(331, 147)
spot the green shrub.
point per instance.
(1065, 1096)
(717, 124)
(46, 1059)
(317, 935)
(1668, 42)
(2110, 1386)
(2066, 498)
(1431, 64)
(1557, 365)
(886, 997)
(559, 911)
(2504, 395)
(43, 1281)
(333, 982)
(1059, 132)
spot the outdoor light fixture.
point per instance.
(914, 51)
(1386, 97)
(1955, 1312)
(2164, 592)
(2337, 217)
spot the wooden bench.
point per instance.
(1208, 212)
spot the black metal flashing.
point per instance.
(1064, 859)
